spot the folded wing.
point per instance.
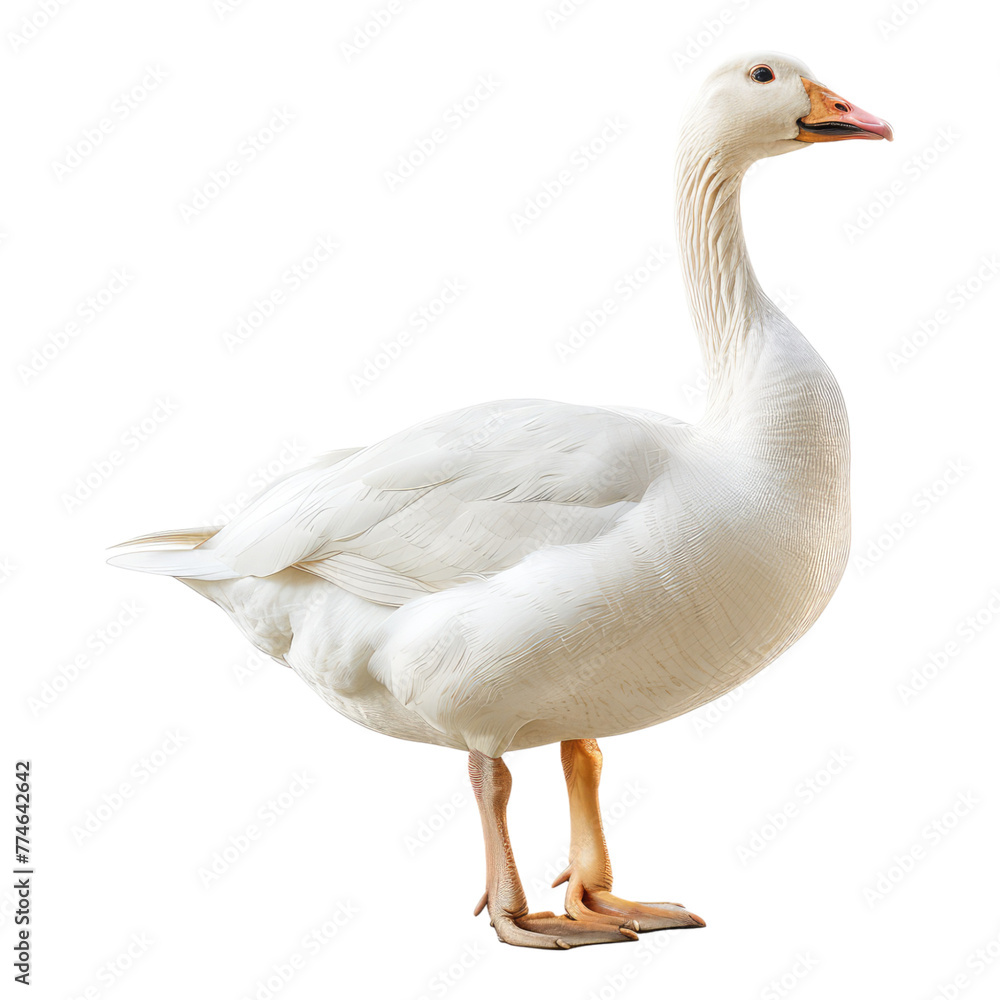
(463, 495)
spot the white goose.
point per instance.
(527, 572)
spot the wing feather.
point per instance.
(468, 493)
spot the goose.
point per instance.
(527, 572)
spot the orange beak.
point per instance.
(831, 117)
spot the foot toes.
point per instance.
(510, 932)
(578, 932)
(595, 917)
(670, 917)
(647, 916)
(546, 930)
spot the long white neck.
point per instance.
(761, 370)
(726, 301)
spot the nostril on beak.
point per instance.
(842, 107)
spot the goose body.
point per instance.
(525, 572)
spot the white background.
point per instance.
(685, 799)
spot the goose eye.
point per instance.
(762, 74)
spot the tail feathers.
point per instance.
(189, 537)
(173, 553)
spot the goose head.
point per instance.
(766, 104)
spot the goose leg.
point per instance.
(589, 873)
(504, 896)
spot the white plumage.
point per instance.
(524, 571)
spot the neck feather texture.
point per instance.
(726, 301)
(766, 383)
